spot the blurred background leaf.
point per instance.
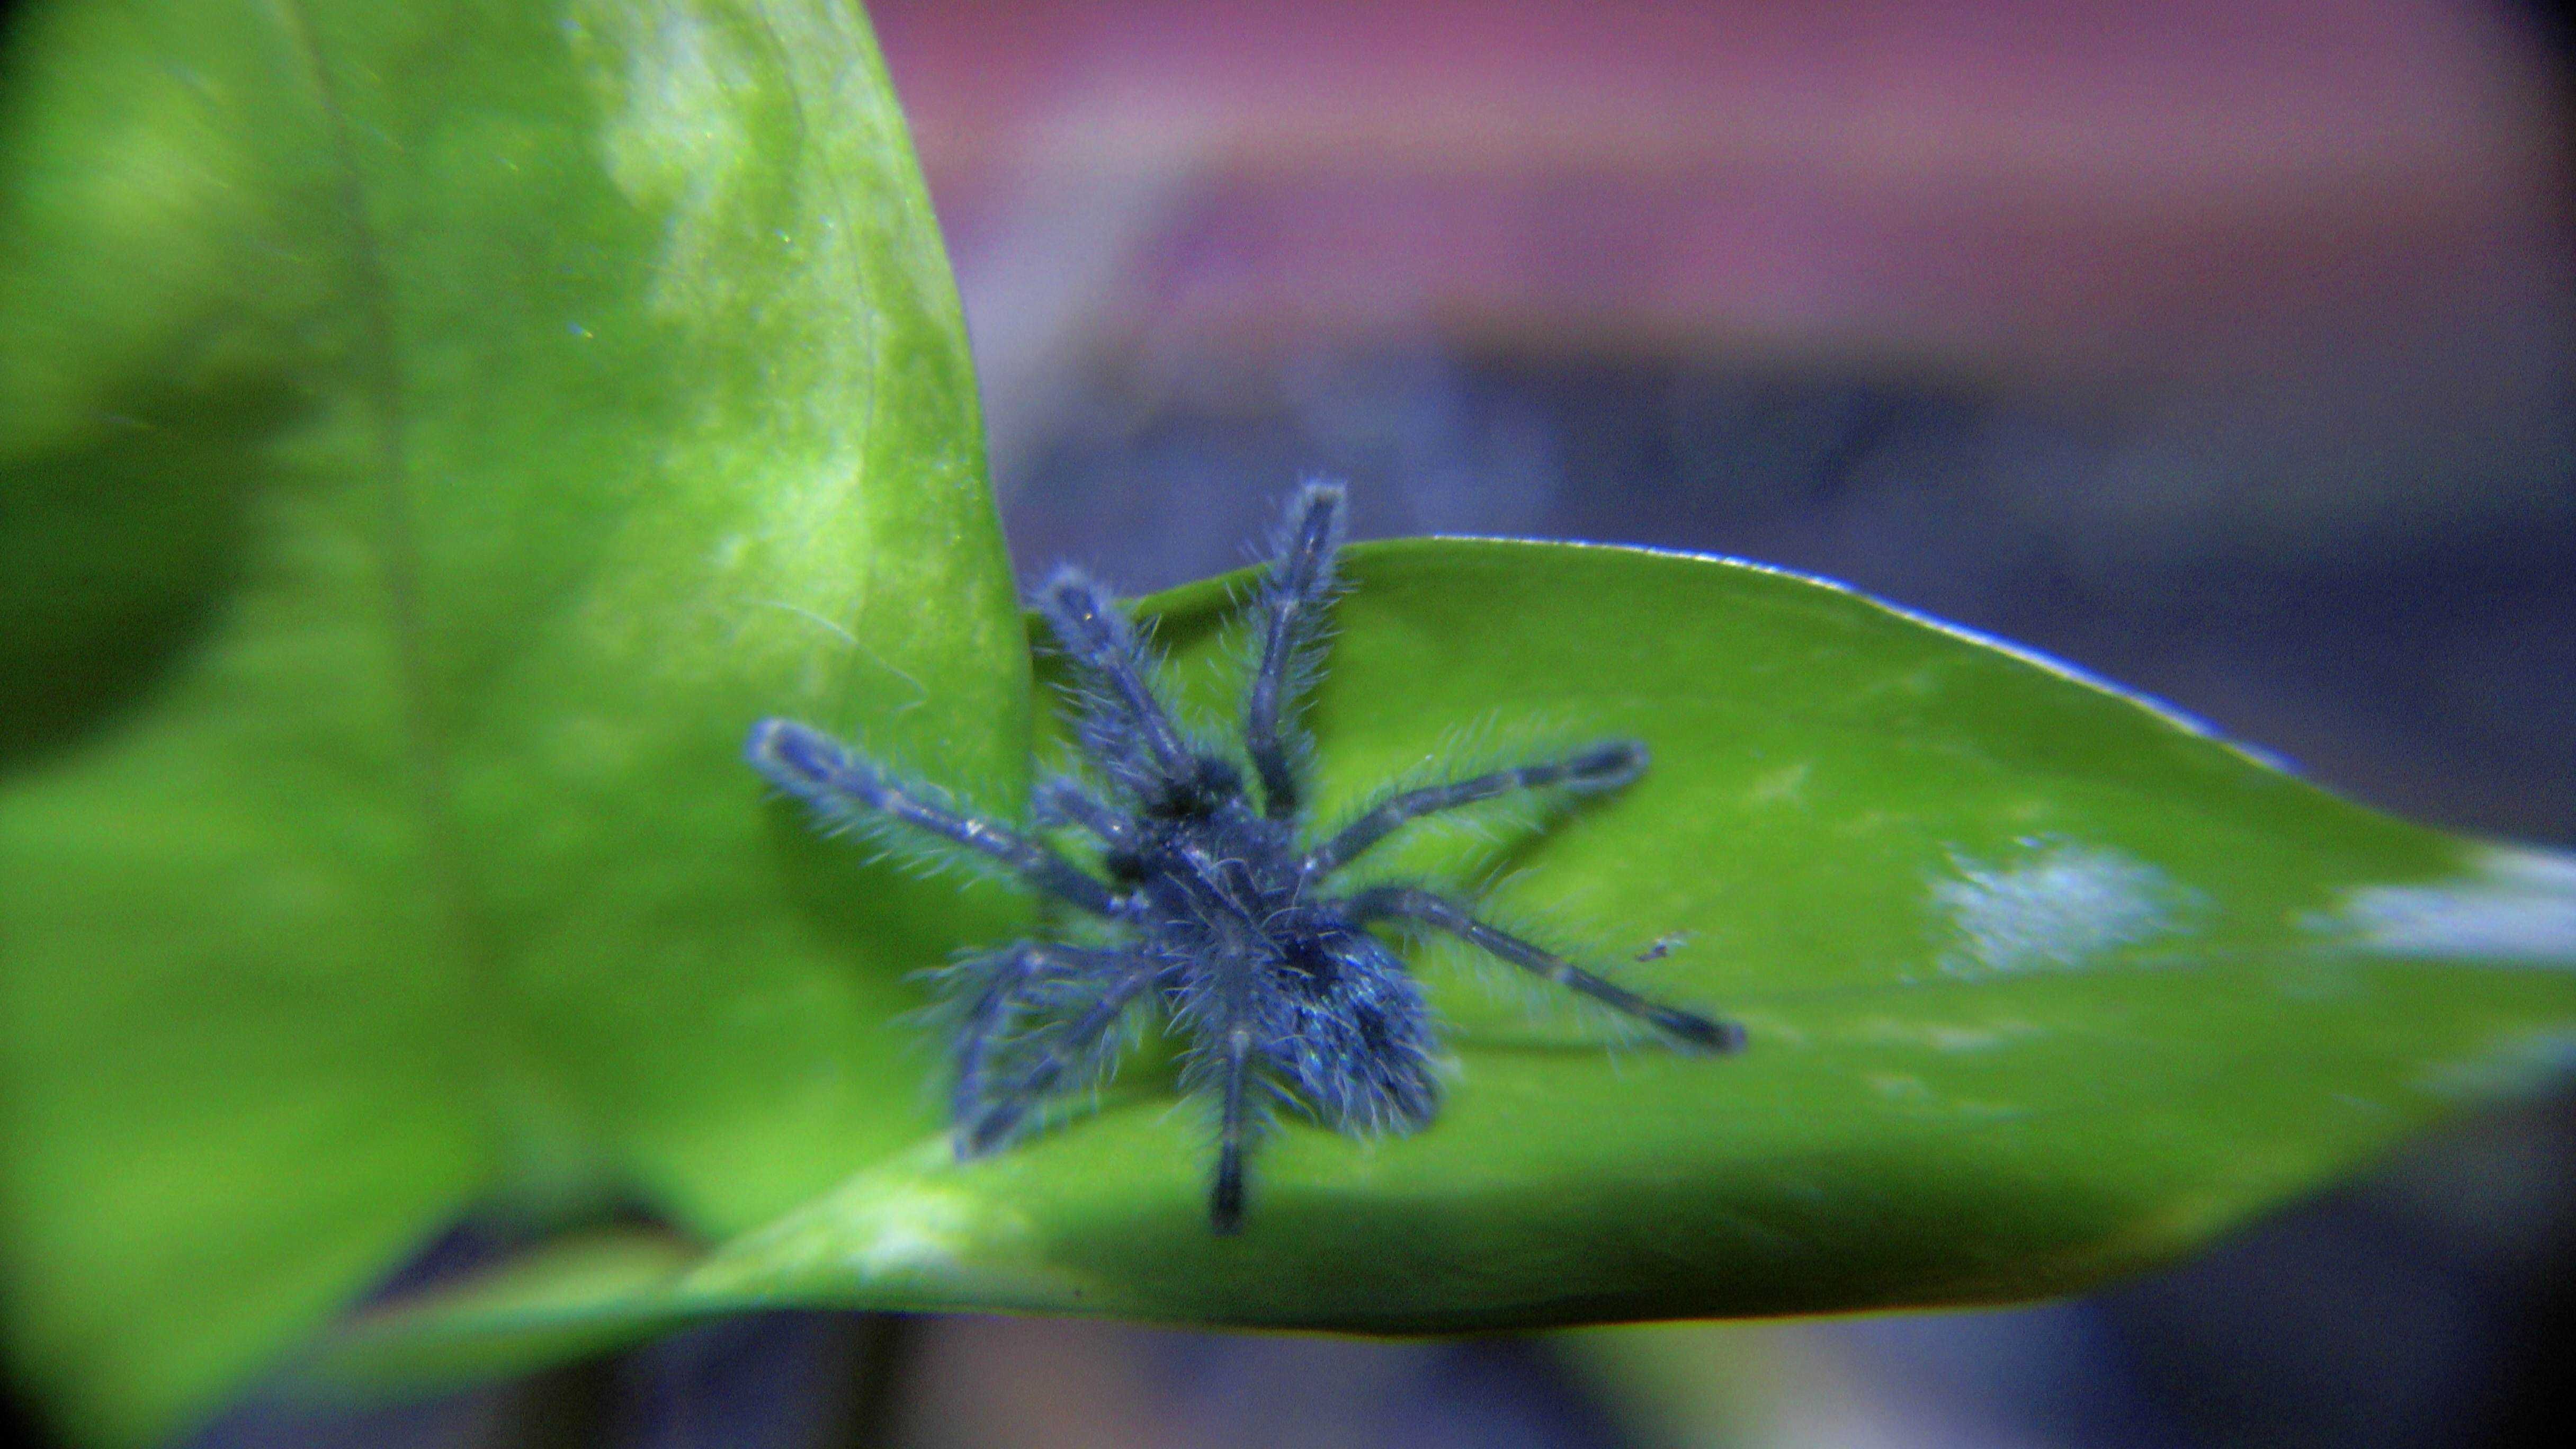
(428, 435)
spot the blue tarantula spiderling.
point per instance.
(1224, 914)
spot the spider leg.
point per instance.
(1123, 725)
(1605, 766)
(1006, 974)
(1225, 1202)
(1407, 903)
(839, 784)
(980, 1131)
(1064, 802)
(1292, 596)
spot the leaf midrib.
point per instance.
(524, 1106)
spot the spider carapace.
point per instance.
(1217, 909)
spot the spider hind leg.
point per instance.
(1593, 770)
(1407, 903)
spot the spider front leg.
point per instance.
(1408, 903)
(982, 1127)
(1293, 595)
(1605, 766)
(1122, 725)
(839, 785)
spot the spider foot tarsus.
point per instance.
(1609, 765)
(1225, 1200)
(1408, 903)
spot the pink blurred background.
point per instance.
(2059, 194)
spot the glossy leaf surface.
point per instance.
(428, 434)
(2043, 985)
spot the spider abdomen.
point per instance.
(1353, 1036)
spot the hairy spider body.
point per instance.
(1224, 917)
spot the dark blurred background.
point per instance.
(2222, 346)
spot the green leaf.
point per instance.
(2043, 985)
(429, 435)
(578, 1294)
